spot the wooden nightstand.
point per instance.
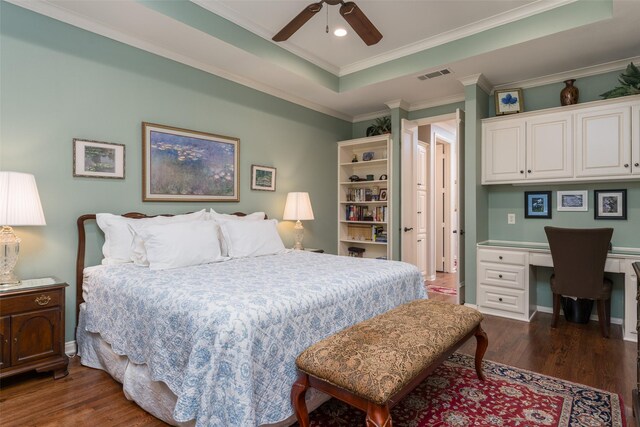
(32, 328)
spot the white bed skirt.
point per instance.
(152, 396)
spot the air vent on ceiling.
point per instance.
(434, 74)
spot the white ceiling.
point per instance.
(407, 27)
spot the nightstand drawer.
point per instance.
(31, 301)
(503, 276)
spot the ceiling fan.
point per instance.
(349, 11)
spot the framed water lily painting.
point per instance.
(509, 101)
(187, 165)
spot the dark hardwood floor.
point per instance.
(572, 352)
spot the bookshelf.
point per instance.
(364, 206)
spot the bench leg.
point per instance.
(378, 415)
(482, 342)
(298, 392)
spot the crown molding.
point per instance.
(398, 103)
(59, 13)
(369, 116)
(508, 17)
(572, 74)
(437, 102)
(477, 79)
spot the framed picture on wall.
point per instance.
(572, 201)
(180, 165)
(537, 204)
(263, 178)
(95, 159)
(610, 204)
(508, 101)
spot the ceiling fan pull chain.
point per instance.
(327, 28)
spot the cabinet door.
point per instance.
(635, 139)
(503, 146)
(603, 138)
(35, 335)
(5, 344)
(549, 147)
(421, 205)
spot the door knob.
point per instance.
(408, 228)
(455, 231)
(462, 232)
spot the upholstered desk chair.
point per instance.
(578, 256)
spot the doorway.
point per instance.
(432, 194)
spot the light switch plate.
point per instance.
(511, 218)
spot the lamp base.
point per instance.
(298, 236)
(9, 250)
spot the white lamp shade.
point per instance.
(19, 200)
(298, 207)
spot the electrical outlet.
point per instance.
(511, 218)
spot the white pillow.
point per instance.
(118, 237)
(181, 244)
(220, 218)
(252, 238)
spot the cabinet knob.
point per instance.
(636, 164)
(43, 300)
(500, 257)
(500, 299)
(626, 165)
(15, 339)
(500, 276)
(528, 170)
(521, 171)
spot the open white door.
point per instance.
(409, 220)
(460, 207)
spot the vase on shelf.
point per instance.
(569, 95)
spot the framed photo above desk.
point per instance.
(610, 204)
(537, 204)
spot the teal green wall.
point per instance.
(505, 199)
(59, 82)
(436, 111)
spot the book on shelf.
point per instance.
(363, 213)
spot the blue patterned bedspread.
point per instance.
(224, 337)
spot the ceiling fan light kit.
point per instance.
(351, 13)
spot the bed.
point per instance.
(214, 344)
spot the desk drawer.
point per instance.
(502, 257)
(501, 299)
(501, 276)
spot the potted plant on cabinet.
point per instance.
(380, 126)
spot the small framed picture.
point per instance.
(537, 204)
(509, 101)
(263, 178)
(572, 201)
(383, 194)
(97, 159)
(610, 204)
(367, 155)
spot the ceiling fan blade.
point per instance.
(297, 22)
(360, 23)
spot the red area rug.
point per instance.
(441, 290)
(453, 396)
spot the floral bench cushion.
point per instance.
(376, 358)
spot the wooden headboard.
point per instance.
(82, 248)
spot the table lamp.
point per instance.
(19, 205)
(297, 208)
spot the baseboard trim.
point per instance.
(70, 348)
(474, 306)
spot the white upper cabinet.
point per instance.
(503, 151)
(635, 139)
(595, 141)
(604, 141)
(549, 147)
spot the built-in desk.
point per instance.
(506, 279)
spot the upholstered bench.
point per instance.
(375, 363)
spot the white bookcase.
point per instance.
(363, 215)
